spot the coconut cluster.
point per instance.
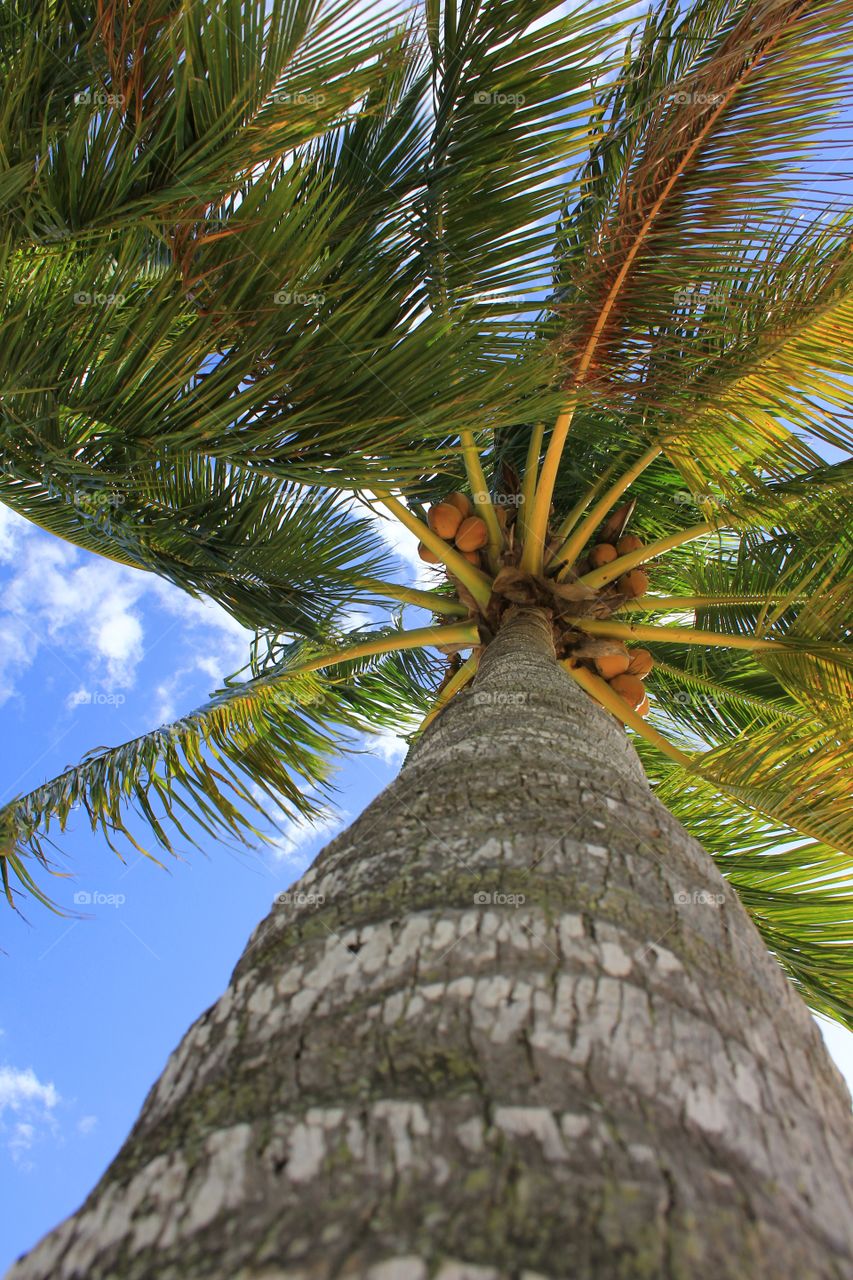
(624, 669)
(453, 520)
(625, 672)
(633, 583)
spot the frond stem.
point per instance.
(652, 604)
(575, 543)
(528, 483)
(536, 525)
(678, 635)
(410, 595)
(623, 564)
(582, 503)
(468, 574)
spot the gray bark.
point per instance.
(528, 1032)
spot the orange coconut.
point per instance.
(609, 665)
(641, 663)
(472, 534)
(630, 689)
(444, 519)
(462, 503)
(602, 554)
(635, 583)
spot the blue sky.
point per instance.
(91, 654)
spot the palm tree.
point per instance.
(568, 297)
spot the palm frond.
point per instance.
(259, 745)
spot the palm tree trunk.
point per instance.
(516, 1025)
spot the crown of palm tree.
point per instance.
(271, 269)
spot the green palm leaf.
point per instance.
(258, 744)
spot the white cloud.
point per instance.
(118, 638)
(23, 1089)
(23, 1136)
(298, 834)
(10, 533)
(387, 746)
(86, 1124)
(55, 596)
(30, 1104)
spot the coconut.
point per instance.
(635, 583)
(641, 663)
(630, 689)
(473, 557)
(629, 543)
(425, 554)
(472, 534)
(462, 503)
(444, 519)
(611, 664)
(643, 708)
(602, 554)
